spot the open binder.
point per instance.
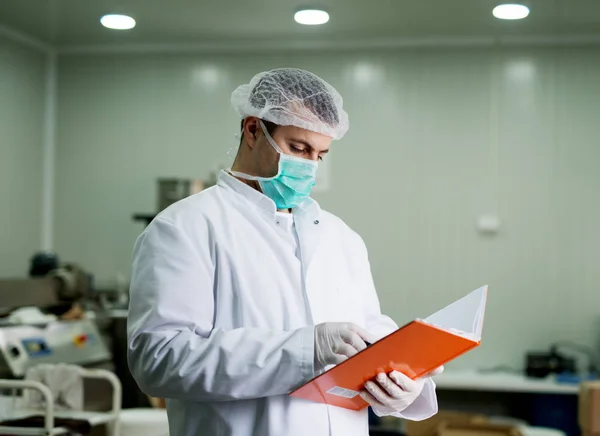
(415, 350)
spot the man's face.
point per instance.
(292, 141)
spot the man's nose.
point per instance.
(314, 156)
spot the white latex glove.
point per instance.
(395, 392)
(337, 341)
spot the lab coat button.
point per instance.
(316, 222)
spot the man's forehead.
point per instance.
(309, 135)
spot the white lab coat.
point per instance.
(223, 308)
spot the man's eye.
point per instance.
(297, 149)
(320, 157)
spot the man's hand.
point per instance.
(336, 342)
(395, 392)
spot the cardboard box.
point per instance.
(430, 427)
(478, 429)
(589, 408)
(157, 403)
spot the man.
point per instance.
(247, 290)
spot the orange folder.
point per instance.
(415, 350)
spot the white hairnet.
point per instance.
(292, 97)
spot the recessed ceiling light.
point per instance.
(510, 11)
(311, 17)
(117, 22)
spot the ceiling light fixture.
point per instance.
(510, 11)
(117, 22)
(311, 17)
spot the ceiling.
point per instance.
(76, 22)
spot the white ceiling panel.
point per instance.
(76, 22)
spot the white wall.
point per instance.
(437, 137)
(22, 81)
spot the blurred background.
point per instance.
(472, 158)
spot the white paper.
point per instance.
(464, 317)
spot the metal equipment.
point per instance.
(17, 418)
(172, 190)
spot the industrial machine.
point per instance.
(24, 346)
(42, 319)
(560, 361)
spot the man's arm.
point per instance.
(380, 325)
(174, 351)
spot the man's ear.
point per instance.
(251, 128)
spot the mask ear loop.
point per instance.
(270, 138)
(273, 144)
(258, 178)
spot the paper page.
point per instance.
(464, 317)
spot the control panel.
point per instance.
(75, 342)
(35, 347)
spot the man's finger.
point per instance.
(370, 399)
(403, 381)
(354, 340)
(365, 335)
(389, 385)
(433, 373)
(436, 371)
(345, 350)
(338, 358)
(379, 394)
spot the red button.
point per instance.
(80, 340)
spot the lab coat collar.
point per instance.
(308, 209)
(306, 215)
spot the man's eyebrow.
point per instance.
(306, 144)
